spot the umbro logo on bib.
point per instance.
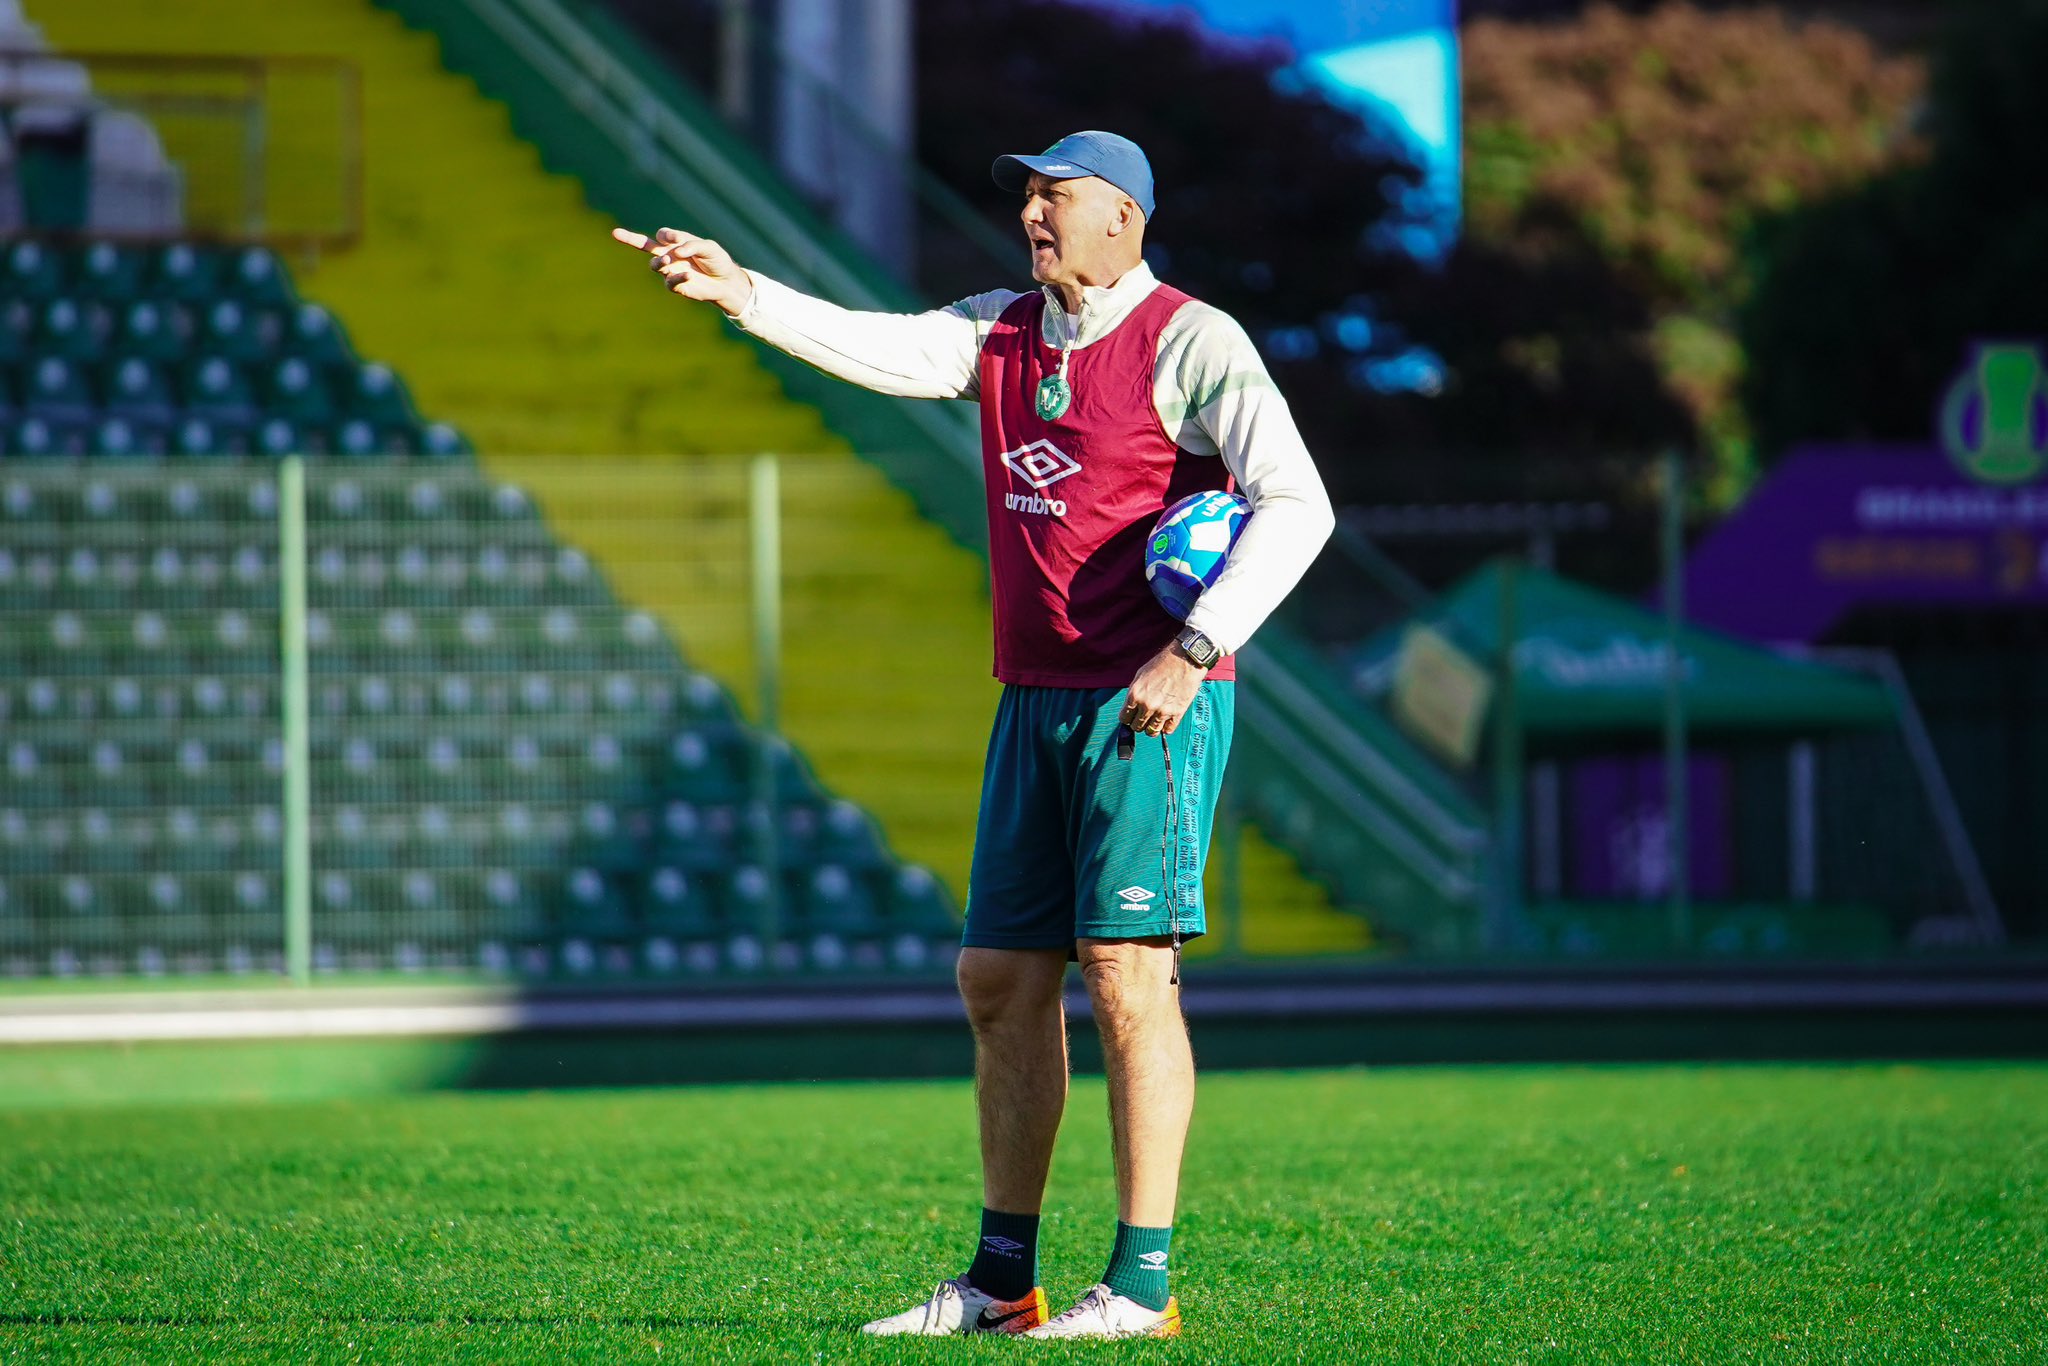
(1041, 465)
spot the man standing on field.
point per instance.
(1105, 396)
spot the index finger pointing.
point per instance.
(639, 241)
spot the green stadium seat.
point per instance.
(356, 437)
(248, 906)
(19, 935)
(704, 765)
(152, 330)
(504, 906)
(589, 903)
(746, 895)
(74, 330)
(56, 390)
(375, 394)
(255, 278)
(17, 327)
(918, 904)
(139, 390)
(219, 391)
(50, 437)
(836, 900)
(297, 392)
(185, 273)
(277, 437)
(604, 837)
(240, 333)
(846, 836)
(117, 437)
(198, 436)
(672, 900)
(441, 441)
(80, 916)
(30, 270)
(312, 335)
(110, 273)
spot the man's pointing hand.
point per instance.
(694, 267)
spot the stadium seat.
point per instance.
(672, 901)
(297, 392)
(152, 330)
(375, 395)
(17, 329)
(30, 270)
(56, 391)
(110, 273)
(219, 391)
(256, 279)
(314, 337)
(185, 273)
(837, 900)
(918, 904)
(238, 332)
(74, 330)
(139, 390)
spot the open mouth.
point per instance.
(1040, 241)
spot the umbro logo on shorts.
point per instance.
(1135, 896)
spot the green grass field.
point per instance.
(1484, 1215)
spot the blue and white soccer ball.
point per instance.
(1189, 544)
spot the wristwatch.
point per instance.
(1197, 648)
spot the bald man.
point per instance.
(1105, 397)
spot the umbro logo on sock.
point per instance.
(1155, 1260)
(1001, 1246)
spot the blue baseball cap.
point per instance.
(1117, 160)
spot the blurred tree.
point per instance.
(1267, 193)
(1509, 374)
(1864, 303)
(1663, 136)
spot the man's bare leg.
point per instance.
(1020, 1089)
(1020, 1067)
(1151, 1098)
(1151, 1070)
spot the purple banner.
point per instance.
(1835, 527)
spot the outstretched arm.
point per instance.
(910, 355)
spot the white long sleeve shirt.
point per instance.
(1210, 389)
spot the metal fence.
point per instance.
(374, 715)
(377, 716)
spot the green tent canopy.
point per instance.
(1587, 661)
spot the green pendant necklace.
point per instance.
(1055, 395)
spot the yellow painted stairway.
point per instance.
(493, 288)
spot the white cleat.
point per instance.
(1102, 1313)
(957, 1307)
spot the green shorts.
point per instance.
(1076, 843)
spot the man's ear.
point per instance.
(1127, 217)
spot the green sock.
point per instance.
(1006, 1259)
(1137, 1264)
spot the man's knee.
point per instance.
(999, 986)
(1129, 981)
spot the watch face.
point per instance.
(1199, 648)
